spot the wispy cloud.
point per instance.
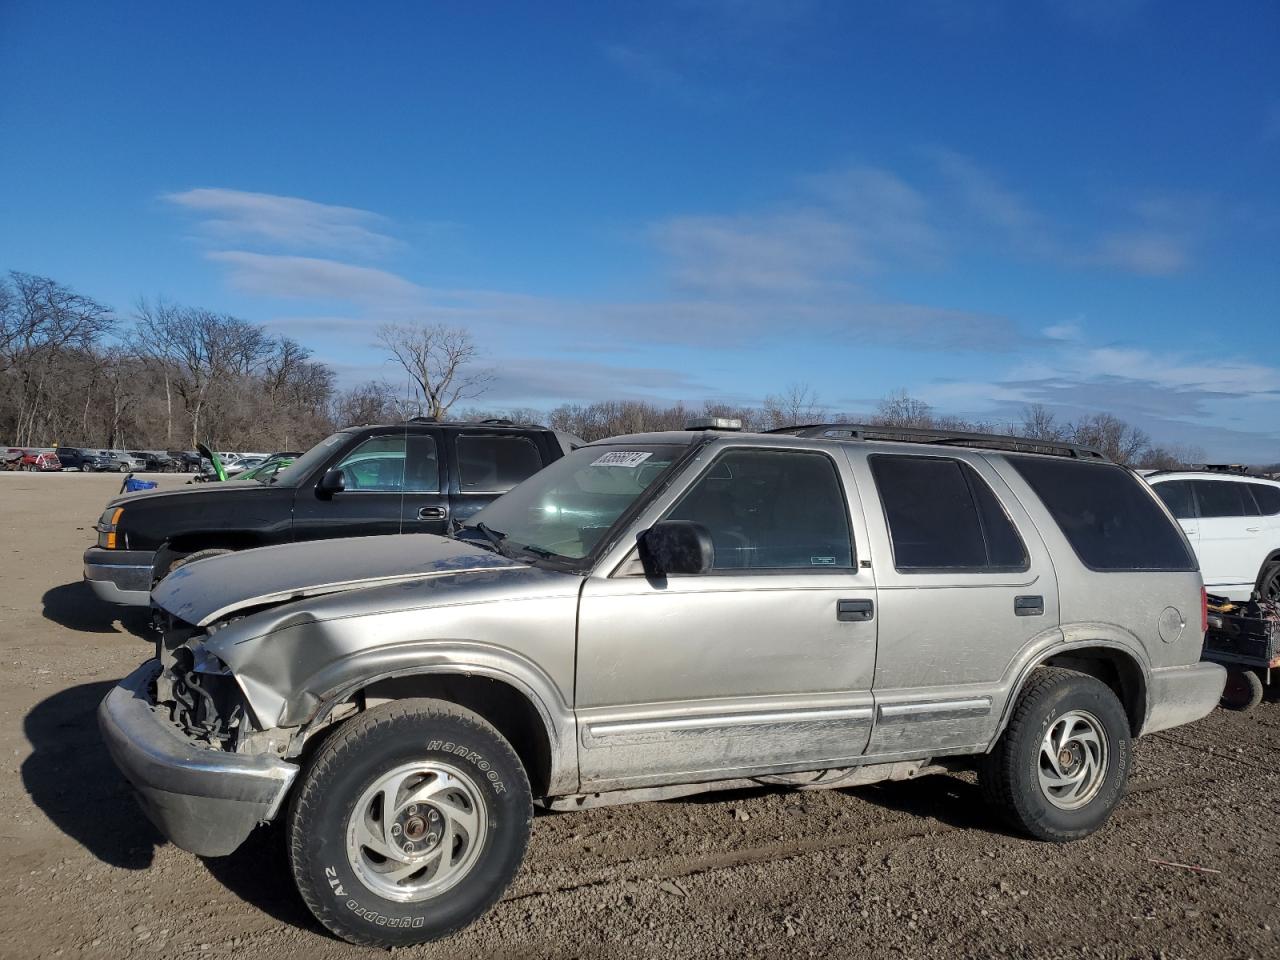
(1148, 235)
(292, 223)
(537, 379)
(1148, 252)
(842, 226)
(789, 253)
(312, 278)
(1177, 397)
(653, 70)
(729, 322)
(890, 217)
(1062, 331)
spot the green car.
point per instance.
(265, 472)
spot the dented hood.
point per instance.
(216, 587)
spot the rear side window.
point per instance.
(495, 464)
(1224, 498)
(1107, 516)
(943, 516)
(1177, 496)
(1267, 497)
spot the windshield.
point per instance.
(301, 468)
(567, 508)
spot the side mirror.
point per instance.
(334, 481)
(676, 547)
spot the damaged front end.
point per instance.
(197, 689)
(181, 732)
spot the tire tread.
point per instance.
(998, 773)
(374, 723)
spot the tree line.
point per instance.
(73, 372)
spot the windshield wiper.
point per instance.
(540, 552)
(493, 536)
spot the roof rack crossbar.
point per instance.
(995, 441)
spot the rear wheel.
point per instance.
(1061, 765)
(1243, 691)
(409, 823)
(1269, 581)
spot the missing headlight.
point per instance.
(204, 700)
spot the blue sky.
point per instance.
(986, 204)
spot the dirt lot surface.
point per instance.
(904, 870)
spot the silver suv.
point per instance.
(657, 615)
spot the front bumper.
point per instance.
(120, 576)
(1180, 695)
(204, 800)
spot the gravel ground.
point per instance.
(911, 870)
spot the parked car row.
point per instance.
(89, 460)
(633, 619)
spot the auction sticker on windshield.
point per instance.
(621, 458)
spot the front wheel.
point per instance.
(409, 823)
(1061, 765)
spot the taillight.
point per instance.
(1204, 610)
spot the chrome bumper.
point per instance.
(204, 800)
(120, 576)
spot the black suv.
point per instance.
(413, 477)
(84, 459)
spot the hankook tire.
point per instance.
(408, 824)
(1061, 765)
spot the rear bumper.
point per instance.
(1180, 695)
(204, 800)
(120, 576)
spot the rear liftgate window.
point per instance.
(1107, 515)
(943, 517)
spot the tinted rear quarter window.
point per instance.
(1224, 498)
(943, 516)
(1267, 497)
(495, 464)
(1177, 496)
(1107, 515)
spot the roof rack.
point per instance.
(487, 422)
(994, 441)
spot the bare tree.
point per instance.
(1039, 423)
(368, 402)
(1171, 457)
(203, 351)
(438, 359)
(796, 406)
(900, 409)
(40, 322)
(1119, 441)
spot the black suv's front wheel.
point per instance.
(1062, 764)
(408, 824)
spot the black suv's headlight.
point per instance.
(107, 525)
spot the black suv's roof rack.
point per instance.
(487, 422)
(956, 438)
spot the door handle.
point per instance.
(1252, 529)
(432, 513)
(853, 611)
(1028, 606)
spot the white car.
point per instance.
(1233, 523)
